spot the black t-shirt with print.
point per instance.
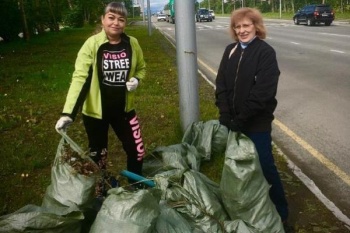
(114, 63)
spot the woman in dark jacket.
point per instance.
(246, 86)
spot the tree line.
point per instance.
(287, 6)
(30, 17)
(26, 18)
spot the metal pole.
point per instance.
(222, 7)
(280, 9)
(186, 52)
(133, 9)
(143, 11)
(149, 18)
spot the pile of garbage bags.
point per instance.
(183, 199)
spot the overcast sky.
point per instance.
(156, 5)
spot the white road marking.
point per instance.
(336, 51)
(315, 190)
(316, 154)
(332, 34)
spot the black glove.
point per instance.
(236, 125)
(225, 119)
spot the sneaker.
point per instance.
(138, 186)
(134, 187)
(113, 182)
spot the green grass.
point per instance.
(35, 77)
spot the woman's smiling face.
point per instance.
(113, 24)
(245, 30)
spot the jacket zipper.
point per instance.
(234, 94)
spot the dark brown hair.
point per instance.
(116, 8)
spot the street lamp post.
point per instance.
(281, 9)
(149, 17)
(133, 7)
(143, 11)
(222, 7)
(186, 57)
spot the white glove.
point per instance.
(63, 123)
(132, 84)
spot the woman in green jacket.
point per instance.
(108, 69)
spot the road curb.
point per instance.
(310, 184)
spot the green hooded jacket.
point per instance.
(85, 88)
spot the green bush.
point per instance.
(74, 18)
(9, 13)
(264, 7)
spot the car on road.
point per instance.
(161, 17)
(212, 14)
(203, 15)
(314, 14)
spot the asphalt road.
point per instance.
(312, 118)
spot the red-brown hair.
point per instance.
(251, 13)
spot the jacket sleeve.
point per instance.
(221, 86)
(81, 80)
(140, 69)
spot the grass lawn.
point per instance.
(35, 77)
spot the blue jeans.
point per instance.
(262, 142)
